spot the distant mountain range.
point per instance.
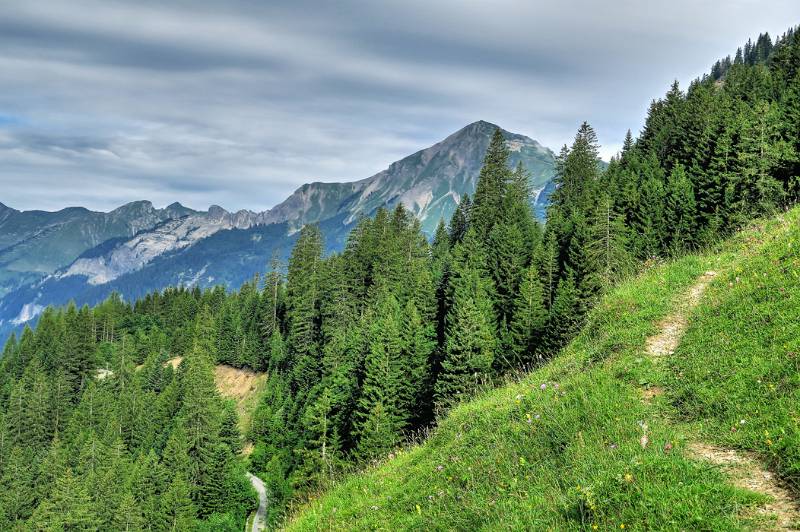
(34, 243)
(49, 258)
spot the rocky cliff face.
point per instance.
(167, 237)
(36, 243)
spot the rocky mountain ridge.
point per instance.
(428, 182)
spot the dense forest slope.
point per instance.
(603, 435)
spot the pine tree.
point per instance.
(460, 221)
(608, 244)
(506, 262)
(106, 487)
(791, 112)
(380, 417)
(51, 468)
(586, 272)
(487, 204)
(378, 432)
(49, 340)
(200, 413)
(418, 342)
(177, 511)
(17, 484)
(128, 516)
(210, 495)
(577, 171)
(273, 294)
(27, 416)
(229, 428)
(269, 422)
(469, 353)
(627, 146)
(342, 363)
(763, 151)
(176, 453)
(530, 318)
(470, 339)
(440, 245)
(25, 351)
(320, 460)
(564, 315)
(79, 347)
(548, 264)
(68, 508)
(229, 333)
(277, 352)
(205, 335)
(148, 480)
(680, 210)
(302, 301)
(649, 223)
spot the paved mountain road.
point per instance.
(260, 520)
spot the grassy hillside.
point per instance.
(600, 438)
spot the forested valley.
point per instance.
(364, 349)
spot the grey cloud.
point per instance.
(28, 38)
(240, 102)
(40, 142)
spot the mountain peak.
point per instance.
(483, 124)
(480, 127)
(134, 206)
(216, 212)
(428, 182)
(6, 212)
(178, 210)
(481, 131)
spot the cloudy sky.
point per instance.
(238, 103)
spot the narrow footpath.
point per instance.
(743, 469)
